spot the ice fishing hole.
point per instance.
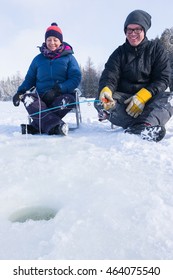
(36, 213)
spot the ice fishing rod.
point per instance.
(63, 106)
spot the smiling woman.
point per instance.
(55, 75)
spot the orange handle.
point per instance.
(105, 100)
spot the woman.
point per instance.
(132, 86)
(55, 74)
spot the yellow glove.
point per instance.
(137, 102)
(106, 98)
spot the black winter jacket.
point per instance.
(129, 68)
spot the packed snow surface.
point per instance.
(111, 194)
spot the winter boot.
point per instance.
(153, 133)
(103, 115)
(61, 129)
(147, 132)
(28, 129)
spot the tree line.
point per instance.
(90, 75)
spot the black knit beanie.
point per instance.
(139, 17)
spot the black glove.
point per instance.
(49, 96)
(17, 98)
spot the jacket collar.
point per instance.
(138, 49)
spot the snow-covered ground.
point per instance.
(112, 192)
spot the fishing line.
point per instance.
(61, 107)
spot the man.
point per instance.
(132, 85)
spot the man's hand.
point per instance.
(106, 98)
(137, 102)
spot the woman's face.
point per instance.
(52, 43)
(134, 34)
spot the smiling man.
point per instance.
(132, 85)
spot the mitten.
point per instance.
(49, 96)
(17, 98)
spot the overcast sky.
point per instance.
(94, 28)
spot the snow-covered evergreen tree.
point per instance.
(167, 40)
(9, 86)
(90, 79)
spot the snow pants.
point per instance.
(43, 116)
(157, 111)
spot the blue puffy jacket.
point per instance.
(44, 73)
